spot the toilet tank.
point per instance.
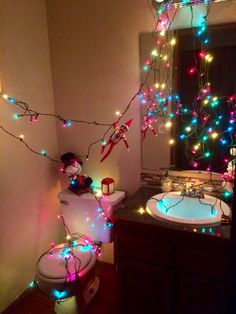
(82, 213)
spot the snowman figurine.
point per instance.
(78, 183)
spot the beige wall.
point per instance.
(95, 65)
(28, 207)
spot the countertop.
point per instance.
(130, 213)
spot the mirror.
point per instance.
(156, 151)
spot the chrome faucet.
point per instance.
(191, 191)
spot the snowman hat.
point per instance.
(69, 159)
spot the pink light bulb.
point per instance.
(192, 70)
(202, 54)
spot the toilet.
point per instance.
(67, 270)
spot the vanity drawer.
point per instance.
(155, 253)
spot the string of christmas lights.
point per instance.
(68, 256)
(202, 120)
(27, 112)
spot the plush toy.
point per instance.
(116, 137)
(72, 167)
(146, 125)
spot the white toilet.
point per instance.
(68, 269)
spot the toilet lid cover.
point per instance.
(65, 261)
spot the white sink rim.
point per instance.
(154, 211)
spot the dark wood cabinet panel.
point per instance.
(198, 295)
(204, 262)
(144, 289)
(169, 271)
(144, 250)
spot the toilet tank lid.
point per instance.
(112, 199)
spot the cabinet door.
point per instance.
(143, 289)
(199, 295)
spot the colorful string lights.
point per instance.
(202, 120)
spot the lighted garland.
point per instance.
(204, 120)
(34, 115)
(67, 255)
(201, 124)
(159, 97)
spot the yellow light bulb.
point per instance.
(168, 124)
(208, 57)
(163, 85)
(165, 57)
(68, 237)
(98, 193)
(171, 141)
(206, 101)
(141, 210)
(154, 53)
(21, 136)
(214, 98)
(162, 33)
(5, 96)
(188, 129)
(173, 41)
(214, 135)
(157, 85)
(196, 147)
(118, 113)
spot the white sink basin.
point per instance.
(187, 210)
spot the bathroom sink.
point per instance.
(179, 209)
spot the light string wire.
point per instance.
(198, 130)
(67, 250)
(33, 113)
(155, 110)
(199, 199)
(27, 111)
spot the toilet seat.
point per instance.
(52, 275)
(52, 266)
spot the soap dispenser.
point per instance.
(166, 183)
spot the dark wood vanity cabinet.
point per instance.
(167, 271)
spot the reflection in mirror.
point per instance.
(187, 85)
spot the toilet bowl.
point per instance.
(67, 269)
(63, 271)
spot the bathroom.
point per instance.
(79, 59)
